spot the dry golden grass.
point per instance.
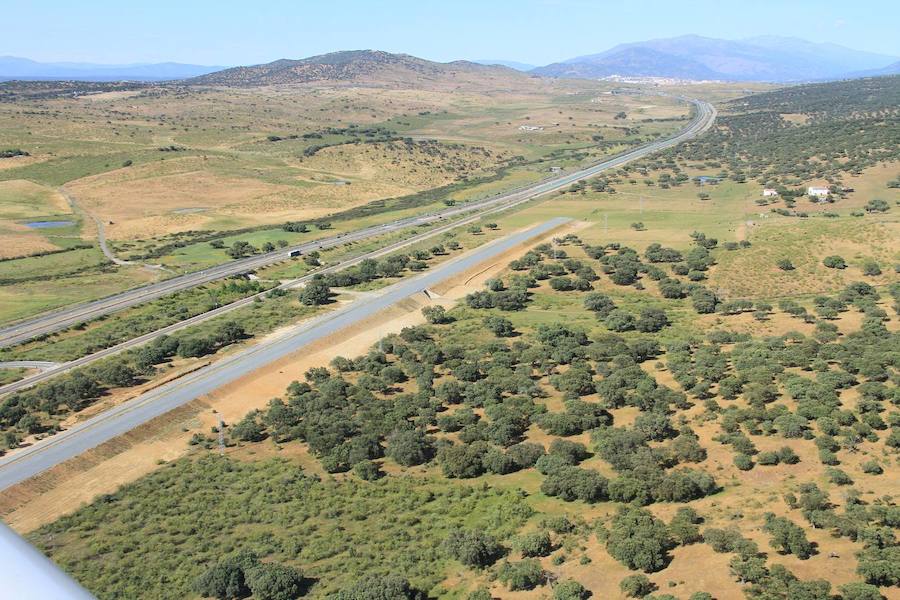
(19, 240)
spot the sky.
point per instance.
(230, 32)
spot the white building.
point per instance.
(768, 192)
(817, 192)
(530, 128)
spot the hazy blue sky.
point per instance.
(227, 32)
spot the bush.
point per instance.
(436, 315)
(872, 467)
(499, 326)
(523, 575)
(473, 548)
(860, 591)
(571, 483)
(767, 458)
(249, 429)
(525, 454)
(384, 587)
(684, 526)
(651, 320)
(619, 320)
(409, 447)
(788, 537)
(534, 544)
(463, 461)
(743, 462)
(367, 470)
(226, 580)
(834, 262)
(572, 452)
(787, 456)
(838, 477)
(271, 581)
(599, 303)
(316, 292)
(639, 540)
(570, 589)
(636, 586)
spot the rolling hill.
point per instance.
(358, 66)
(767, 58)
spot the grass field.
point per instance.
(159, 165)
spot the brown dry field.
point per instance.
(228, 168)
(19, 240)
(65, 488)
(144, 201)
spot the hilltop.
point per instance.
(362, 66)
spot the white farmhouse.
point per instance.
(769, 192)
(817, 192)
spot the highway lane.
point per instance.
(63, 318)
(50, 370)
(118, 420)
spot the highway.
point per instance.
(118, 420)
(61, 319)
(49, 370)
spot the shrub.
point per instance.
(534, 544)
(570, 589)
(271, 581)
(523, 575)
(743, 462)
(684, 526)
(409, 447)
(226, 580)
(834, 262)
(619, 320)
(499, 326)
(572, 452)
(788, 537)
(785, 265)
(768, 458)
(473, 548)
(639, 540)
(651, 320)
(571, 483)
(872, 467)
(860, 591)
(380, 587)
(636, 586)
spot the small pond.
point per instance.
(49, 224)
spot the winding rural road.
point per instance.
(118, 420)
(60, 319)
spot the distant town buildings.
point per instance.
(530, 128)
(556, 169)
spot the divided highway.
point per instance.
(66, 317)
(118, 420)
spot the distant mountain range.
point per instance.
(359, 66)
(765, 58)
(12, 67)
